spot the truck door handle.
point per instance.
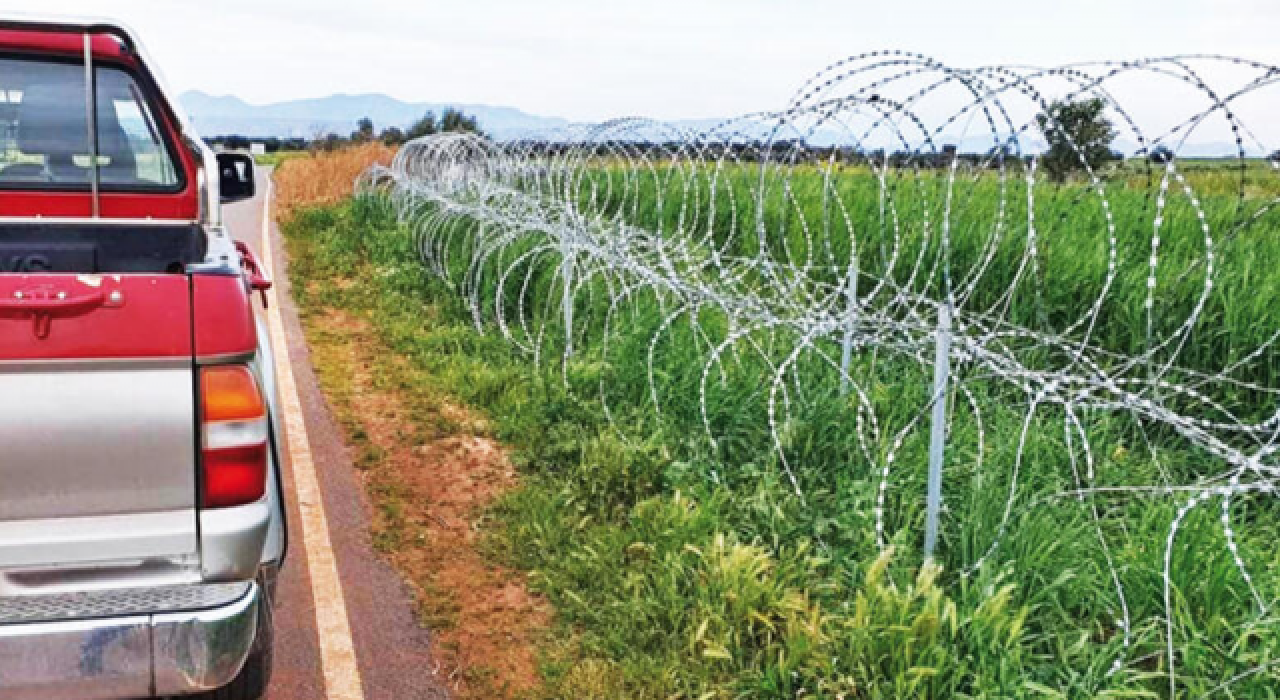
(57, 303)
(43, 305)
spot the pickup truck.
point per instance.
(141, 525)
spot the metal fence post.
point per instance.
(938, 432)
(846, 356)
(566, 272)
(846, 350)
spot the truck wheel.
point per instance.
(251, 683)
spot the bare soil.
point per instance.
(431, 489)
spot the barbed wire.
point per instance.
(893, 192)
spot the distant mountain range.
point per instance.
(313, 117)
(215, 115)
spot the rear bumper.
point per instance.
(136, 654)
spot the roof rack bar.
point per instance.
(38, 24)
(91, 109)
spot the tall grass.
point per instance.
(681, 568)
(810, 219)
(324, 177)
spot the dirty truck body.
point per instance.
(141, 525)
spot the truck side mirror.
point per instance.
(235, 176)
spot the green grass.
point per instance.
(278, 158)
(1073, 252)
(681, 569)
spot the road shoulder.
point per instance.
(392, 649)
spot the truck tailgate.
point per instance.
(97, 418)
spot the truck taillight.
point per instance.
(234, 436)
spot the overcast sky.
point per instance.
(594, 59)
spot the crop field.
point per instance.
(727, 375)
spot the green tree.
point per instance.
(425, 126)
(328, 142)
(1079, 135)
(455, 120)
(364, 131)
(392, 136)
(450, 120)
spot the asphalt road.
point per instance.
(390, 649)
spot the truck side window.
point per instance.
(44, 127)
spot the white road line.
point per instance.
(337, 651)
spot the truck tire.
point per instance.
(251, 683)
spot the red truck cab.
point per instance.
(141, 524)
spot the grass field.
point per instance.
(278, 158)
(1073, 249)
(682, 568)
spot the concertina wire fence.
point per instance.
(900, 207)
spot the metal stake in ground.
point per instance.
(938, 432)
(566, 302)
(851, 300)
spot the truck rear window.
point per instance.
(44, 130)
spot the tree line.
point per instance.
(1078, 139)
(450, 119)
(1078, 134)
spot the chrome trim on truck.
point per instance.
(203, 650)
(119, 602)
(174, 653)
